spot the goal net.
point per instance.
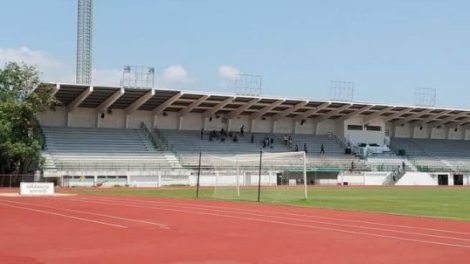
(269, 177)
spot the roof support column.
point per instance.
(68, 118)
(429, 130)
(126, 121)
(180, 122)
(412, 130)
(229, 125)
(274, 126)
(154, 121)
(76, 102)
(448, 129)
(98, 120)
(104, 106)
(392, 131)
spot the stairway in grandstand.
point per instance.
(436, 154)
(390, 162)
(87, 149)
(188, 144)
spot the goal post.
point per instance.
(278, 176)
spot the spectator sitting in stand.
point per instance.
(235, 138)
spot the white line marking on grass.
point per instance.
(259, 214)
(63, 215)
(284, 223)
(160, 225)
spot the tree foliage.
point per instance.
(21, 99)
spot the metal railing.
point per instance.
(161, 139)
(117, 166)
(149, 135)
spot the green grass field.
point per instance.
(438, 202)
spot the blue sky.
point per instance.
(387, 48)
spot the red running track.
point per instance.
(107, 229)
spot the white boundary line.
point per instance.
(160, 225)
(63, 215)
(320, 222)
(273, 214)
(284, 223)
(324, 223)
(310, 216)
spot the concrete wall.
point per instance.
(262, 126)
(366, 178)
(309, 127)
(54, 118)
(114, 120)
(214, 124)
(325, 127)
(456, 135)
(364, 136)
(135, 119)
(438, 133)
(284, 126)
(87, 117)
(235, 124)
(192, 122)
(417, 178)
(82, 117)
(404, 131)
(170, 121)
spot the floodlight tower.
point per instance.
(84, 41)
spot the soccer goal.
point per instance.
(263, 176)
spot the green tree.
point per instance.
(22, 97)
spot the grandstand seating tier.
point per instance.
(103, 149)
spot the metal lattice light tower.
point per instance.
(138, 77)
(84, 41)
(342, 91)
(247, 84)
(425, 96)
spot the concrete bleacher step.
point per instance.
(98, 149)
(436, 153)
(188, 144)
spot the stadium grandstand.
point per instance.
(100, 135)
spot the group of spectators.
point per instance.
(223, 134)
(267, 142)
(288, 142)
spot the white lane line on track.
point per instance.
(301, 215)
(226, 210)
(160, 225)
(63, 215)
(288, 224)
